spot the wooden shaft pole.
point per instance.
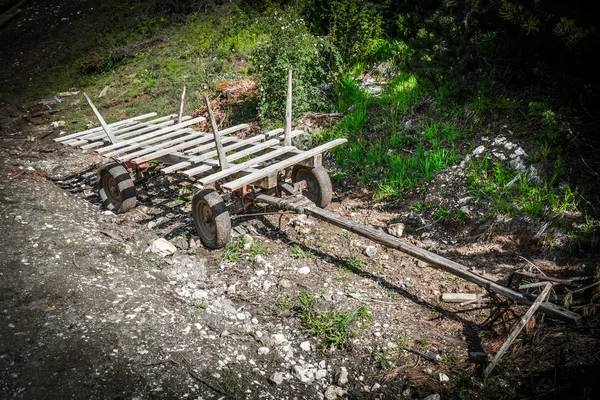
(113, 139)
(287, 141)
(435, 260)
(223, 163)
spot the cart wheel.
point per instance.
(211, 218)
(318, 185)
(116, 188)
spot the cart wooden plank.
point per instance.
(141, 130)
(99, 128)
(121, 132)
(240, 167)
(150, 135)
(268, 145)
(146, 143)
(206, 137)
(211, 154)
(264, 172)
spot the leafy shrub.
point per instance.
(314, 62)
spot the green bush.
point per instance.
(314, 62)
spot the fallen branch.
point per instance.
(518, 328)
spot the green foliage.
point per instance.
(334, 328)
(236, 248)
(298, 252)
(314, 62)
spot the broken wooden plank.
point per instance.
(238, 183)
(518, 328)
(459, 297)
(434, 260)
(223, 163)
(98, 129)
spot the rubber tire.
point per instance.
(319, 189)
(211, 219)
(116, 188)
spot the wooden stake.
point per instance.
(113, 139)
(223, 163)
(287, 141)
(181, 102)
(518, 328)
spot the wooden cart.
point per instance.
(254, 168)
(218, 161)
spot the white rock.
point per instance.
(305, 346)
(396, 229)
(478, 150)
(277, 378)
(279, 338)
(302, 374)
(434, 396)
(444, 378)
(162, 247)
(303, 270)
(370, 251)
(334, 392)
(58, 124)
(342, 376)
(241, 316)
(320, 374)
(263, 350)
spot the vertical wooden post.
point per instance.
(181, 102)
(223, 163)
(113, 139)
(287, 138)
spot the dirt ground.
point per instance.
(88, 313)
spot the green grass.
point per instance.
(235, 249)
(333, 328)
(512, 192)
(300, 253)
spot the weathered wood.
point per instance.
(98, 129)
(518, 328)
(122, 132)
(181, 103)
(287, 141)
(223, 163)
(242, 166)
(222, 133)
(205, 137)
(162, 140)
(105, 126)
(122, 136)
(238, 183)
(150, 135)
(151, 151)
(212, 154)
(458, 297)
(434, 260)
(565, 282)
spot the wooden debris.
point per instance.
(459, 297)
(518, 328)
(434, 260)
